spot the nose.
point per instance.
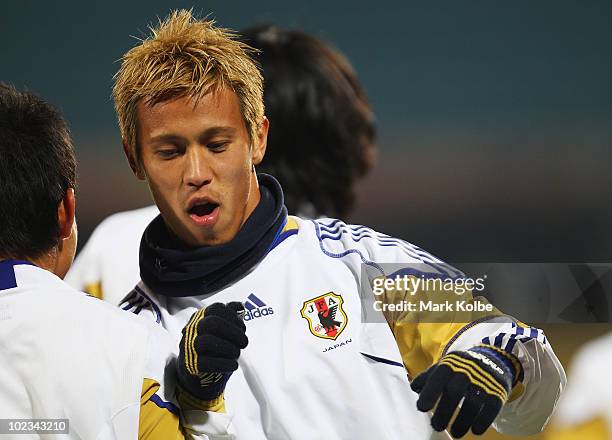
(198, 171)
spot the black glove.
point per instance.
(484, 375)
(209, 349)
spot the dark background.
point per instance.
(494, 119)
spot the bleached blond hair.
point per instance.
(186, 56)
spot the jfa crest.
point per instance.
(325, 315)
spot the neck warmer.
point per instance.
(170, 268)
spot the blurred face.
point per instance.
(198, 162)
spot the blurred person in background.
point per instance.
(64, 354)
(322, 129)
(321, 142)
(585, 409)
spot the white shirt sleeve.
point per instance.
(543, 377)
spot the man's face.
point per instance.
(198, 163)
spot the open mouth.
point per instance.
(204, 213)
(203, 209)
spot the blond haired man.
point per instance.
(191, 114)
(107, 265)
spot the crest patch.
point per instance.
(325, 315)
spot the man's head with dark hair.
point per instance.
(322, 132)
(37, 180)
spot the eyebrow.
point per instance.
(205, 135)
(218, 131)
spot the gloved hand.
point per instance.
(209, 349)
(484, 375)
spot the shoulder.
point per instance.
(63, 316)
(339, 240)
(124, 223)
(141, 301)
(54, 299)
(110, 318)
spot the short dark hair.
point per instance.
(322, 129)
(37, 166)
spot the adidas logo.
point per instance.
(256, 308)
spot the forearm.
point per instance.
(533, 399)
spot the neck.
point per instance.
(171, 269)
(47, 260)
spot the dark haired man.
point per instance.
(322, 131)
(64, 354)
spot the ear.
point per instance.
(68, 234)
(66, 214)
(260, 144)
(132, 161)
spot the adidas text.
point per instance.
(258, 313)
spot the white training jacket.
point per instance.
(301, 380)
(67, 355)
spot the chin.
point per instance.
(214, 241)
(198, 237)
(208, 240)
